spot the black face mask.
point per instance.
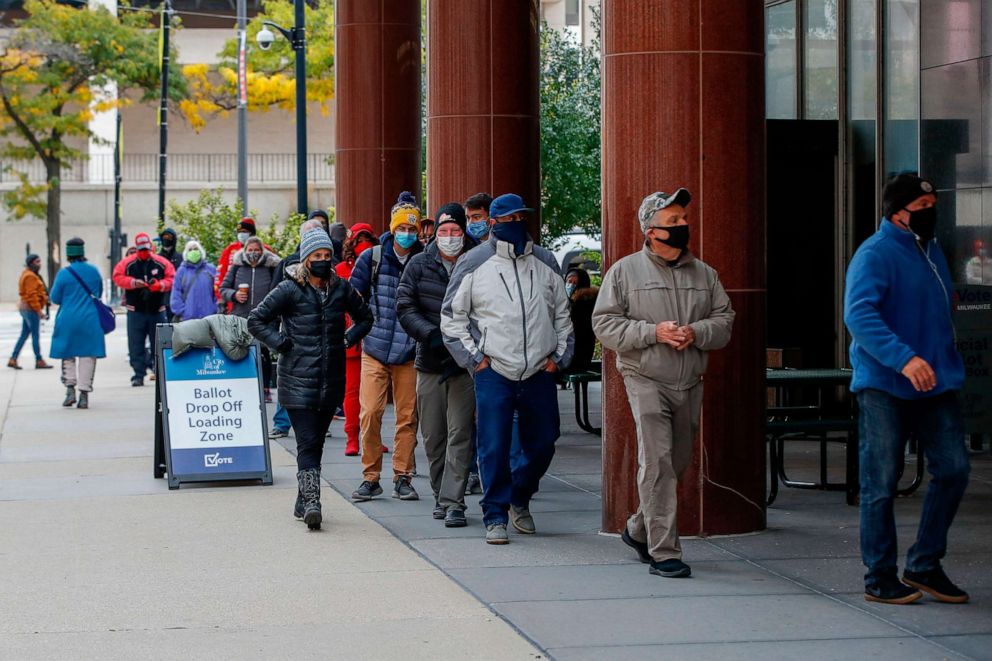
(923, 223)
(678, 236)
(168, 243)
(321, 269)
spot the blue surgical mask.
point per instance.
(406, 239)
(569, 289)
(478, 229)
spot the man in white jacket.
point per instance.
(505, 319)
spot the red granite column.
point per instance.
(377, 97)
(483, 100)
(683, 105)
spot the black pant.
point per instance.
(266, 367)
(310, 427)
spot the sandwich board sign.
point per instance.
(212, 415)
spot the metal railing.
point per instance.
(180, 168)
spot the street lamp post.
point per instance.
(297, 37)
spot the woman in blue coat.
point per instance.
(78, 337)
(193, 287)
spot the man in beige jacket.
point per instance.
(661, 310)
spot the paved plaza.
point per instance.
(99, 560)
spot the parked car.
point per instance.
(573, 246)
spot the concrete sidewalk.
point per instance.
(791, 592)
(100, 560)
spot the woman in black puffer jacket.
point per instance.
(310, 305)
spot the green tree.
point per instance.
(270, 73)
(211, 220)
(53, 69)
(570, 136)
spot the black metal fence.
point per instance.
(181, 168)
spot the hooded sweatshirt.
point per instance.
(193, 288)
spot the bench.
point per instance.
(580, 385)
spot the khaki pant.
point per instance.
(376, 381)
(667, 421)
(81, 377)
(447, 416)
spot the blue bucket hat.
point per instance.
(508, 204)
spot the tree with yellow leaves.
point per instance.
(270, 75)
(53, 70)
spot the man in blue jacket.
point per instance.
(907, 374)
(387, 354)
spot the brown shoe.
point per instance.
(12, 363)
(42, 365)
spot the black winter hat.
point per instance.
(170, 231)
(902, 190)
(452, 212)
(30, 258)
(318, 213)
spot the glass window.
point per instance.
(572, 12)
(952, 128)
(902, 86)
(780, 61)
(820, 59)
(952, 31)
(862, 90)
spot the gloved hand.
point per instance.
(285, 346)
(435, 340)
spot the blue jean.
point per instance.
(141, 327)
(885, 424)
(498, 400)
(30, 325)
(280, 420)
(517, 457)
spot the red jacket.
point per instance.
(156, 271)
(344, 271)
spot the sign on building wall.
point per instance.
(212, 416)
(973, 321)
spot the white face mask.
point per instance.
(242, 237)
(450, 245)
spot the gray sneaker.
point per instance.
(474, 485)
(403, 490)
(278, 433)
(522, 520)
(496, 534)
(367, 491)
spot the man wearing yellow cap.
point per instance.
(388, 354)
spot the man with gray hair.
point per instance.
(662, 310)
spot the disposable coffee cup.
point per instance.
(243, 287)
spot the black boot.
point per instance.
(298, 507)
(70, 396)
(309, 480)
(84, 400)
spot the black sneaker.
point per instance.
(137, 381)
(403, 490)
(936, 584)
(671, 568)
(889, 590)
(367, 491)
(455, 519)
(640, 547)
(438, 510)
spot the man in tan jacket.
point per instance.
(661, 310)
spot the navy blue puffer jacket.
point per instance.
(387, 342)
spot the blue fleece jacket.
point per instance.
(897, 306)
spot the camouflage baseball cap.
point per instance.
(655, 202)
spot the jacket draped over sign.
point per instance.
(312, 339)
